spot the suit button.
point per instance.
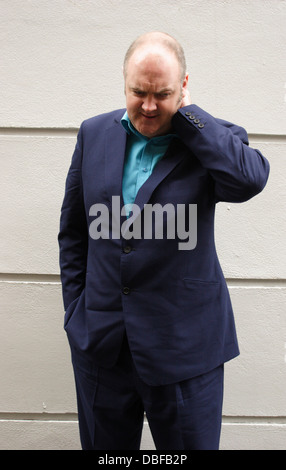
(201, 125)
(127, 249)
(192, 117)
(126, 290)
(188, 113)
(196, 121)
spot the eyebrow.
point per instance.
(134, 88)
(164, 90)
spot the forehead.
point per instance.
(153, 63)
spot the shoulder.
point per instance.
(103, 121)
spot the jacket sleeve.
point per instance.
(239, 172)
(73, 235)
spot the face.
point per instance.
(153, 90)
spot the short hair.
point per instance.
(165, 40)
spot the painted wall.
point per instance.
(60, 64)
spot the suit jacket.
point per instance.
(173, 304)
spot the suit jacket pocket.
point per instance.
(202, 302)
(202, 292)
(70, 310)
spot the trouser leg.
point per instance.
(110, 411)
(186, 415)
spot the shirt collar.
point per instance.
(128, 126)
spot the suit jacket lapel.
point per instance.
(115, 143)
(174, 155)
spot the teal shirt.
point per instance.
(142, 154)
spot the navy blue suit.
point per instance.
(172, 304)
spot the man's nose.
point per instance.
(149, 104)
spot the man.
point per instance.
(148, 314)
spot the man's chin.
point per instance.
(149, 131)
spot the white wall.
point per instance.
(61, 63)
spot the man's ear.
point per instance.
(186, 81)
(186, 98)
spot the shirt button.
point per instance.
(126, 290)
(127, 249)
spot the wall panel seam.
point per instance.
(27, 278)
(72, 131)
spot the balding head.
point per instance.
(153, 41)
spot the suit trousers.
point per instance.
(112, 403)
